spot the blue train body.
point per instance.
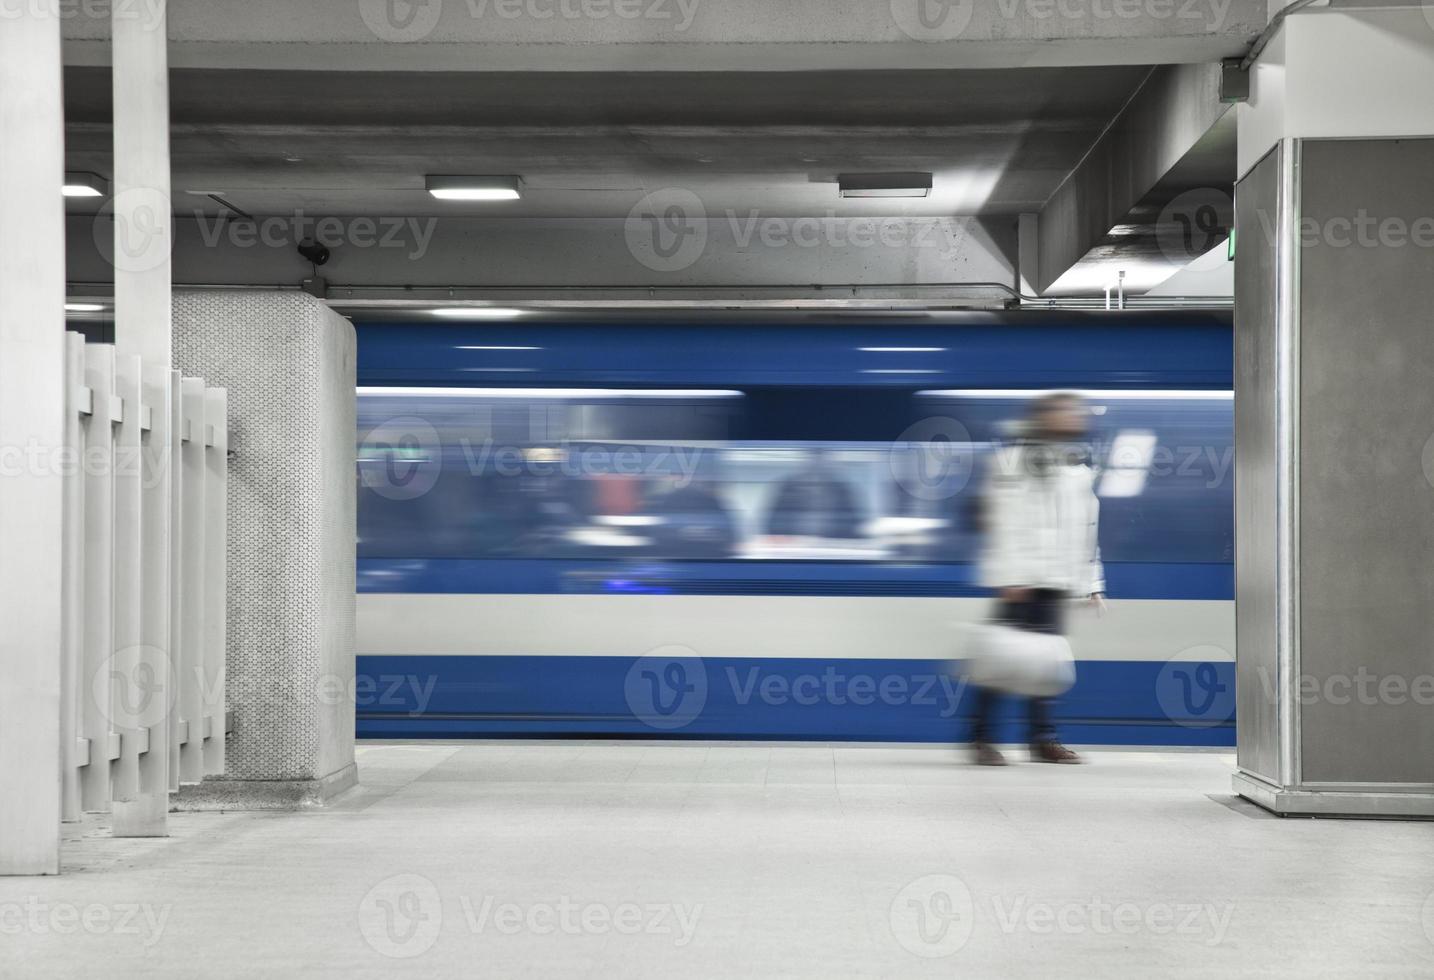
(541, 507)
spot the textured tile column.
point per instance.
(287, 362)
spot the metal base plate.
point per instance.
(1288, 802)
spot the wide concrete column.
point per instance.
(288, 363)
(1334, 405)
(32, 391)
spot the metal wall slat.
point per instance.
(132, 685)
(72, 572)
(98, 578)
(191, 660)
(148, 814)
(143, 704)
(176, 579)
(216, 486)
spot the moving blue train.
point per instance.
(770, 530)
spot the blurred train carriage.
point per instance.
(554, 515)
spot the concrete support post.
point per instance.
(1334, 424)
(143, 231)
(143, 235)
(32, 297)
(288, 363)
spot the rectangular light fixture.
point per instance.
(885, 185)
(479, 312)
(82, 184)
(457, 188)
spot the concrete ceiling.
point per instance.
(673, 35)
(1187, 213)
(999, 141)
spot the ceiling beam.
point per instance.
(685, 35)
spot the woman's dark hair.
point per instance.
(1049, 402)
(1040, 407)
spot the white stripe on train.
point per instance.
(841, 627)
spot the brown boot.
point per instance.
(987, 755)
(1053, 751)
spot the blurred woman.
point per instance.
(1041, 515)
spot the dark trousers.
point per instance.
(1042, 611)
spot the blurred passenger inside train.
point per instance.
(1041, 517)
(692, 520)
(526, 515)
(815, 502)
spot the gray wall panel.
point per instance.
(1256, 204)
(1366, 500)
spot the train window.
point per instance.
(1164, 459)
(826, 475)
(1128, 464)
(595, 473)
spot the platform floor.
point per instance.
(600, 859)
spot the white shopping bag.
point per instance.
(1016, 661)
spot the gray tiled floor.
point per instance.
(636, 859)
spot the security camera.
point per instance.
(313, 251)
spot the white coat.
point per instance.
(1042, 518)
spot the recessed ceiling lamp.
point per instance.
(479, 312)
(454, 188)
(885, 185)
(84, 307)
(83, 184)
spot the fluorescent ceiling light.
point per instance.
(885, 185)
(83, 184)
(901, 350)
(84, 307)
(456, 188)
(479, 312)
(494, 347)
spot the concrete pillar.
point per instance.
(288, 364)
(143, 221)
(1334, 356)
(32, 322)
(141, 257)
